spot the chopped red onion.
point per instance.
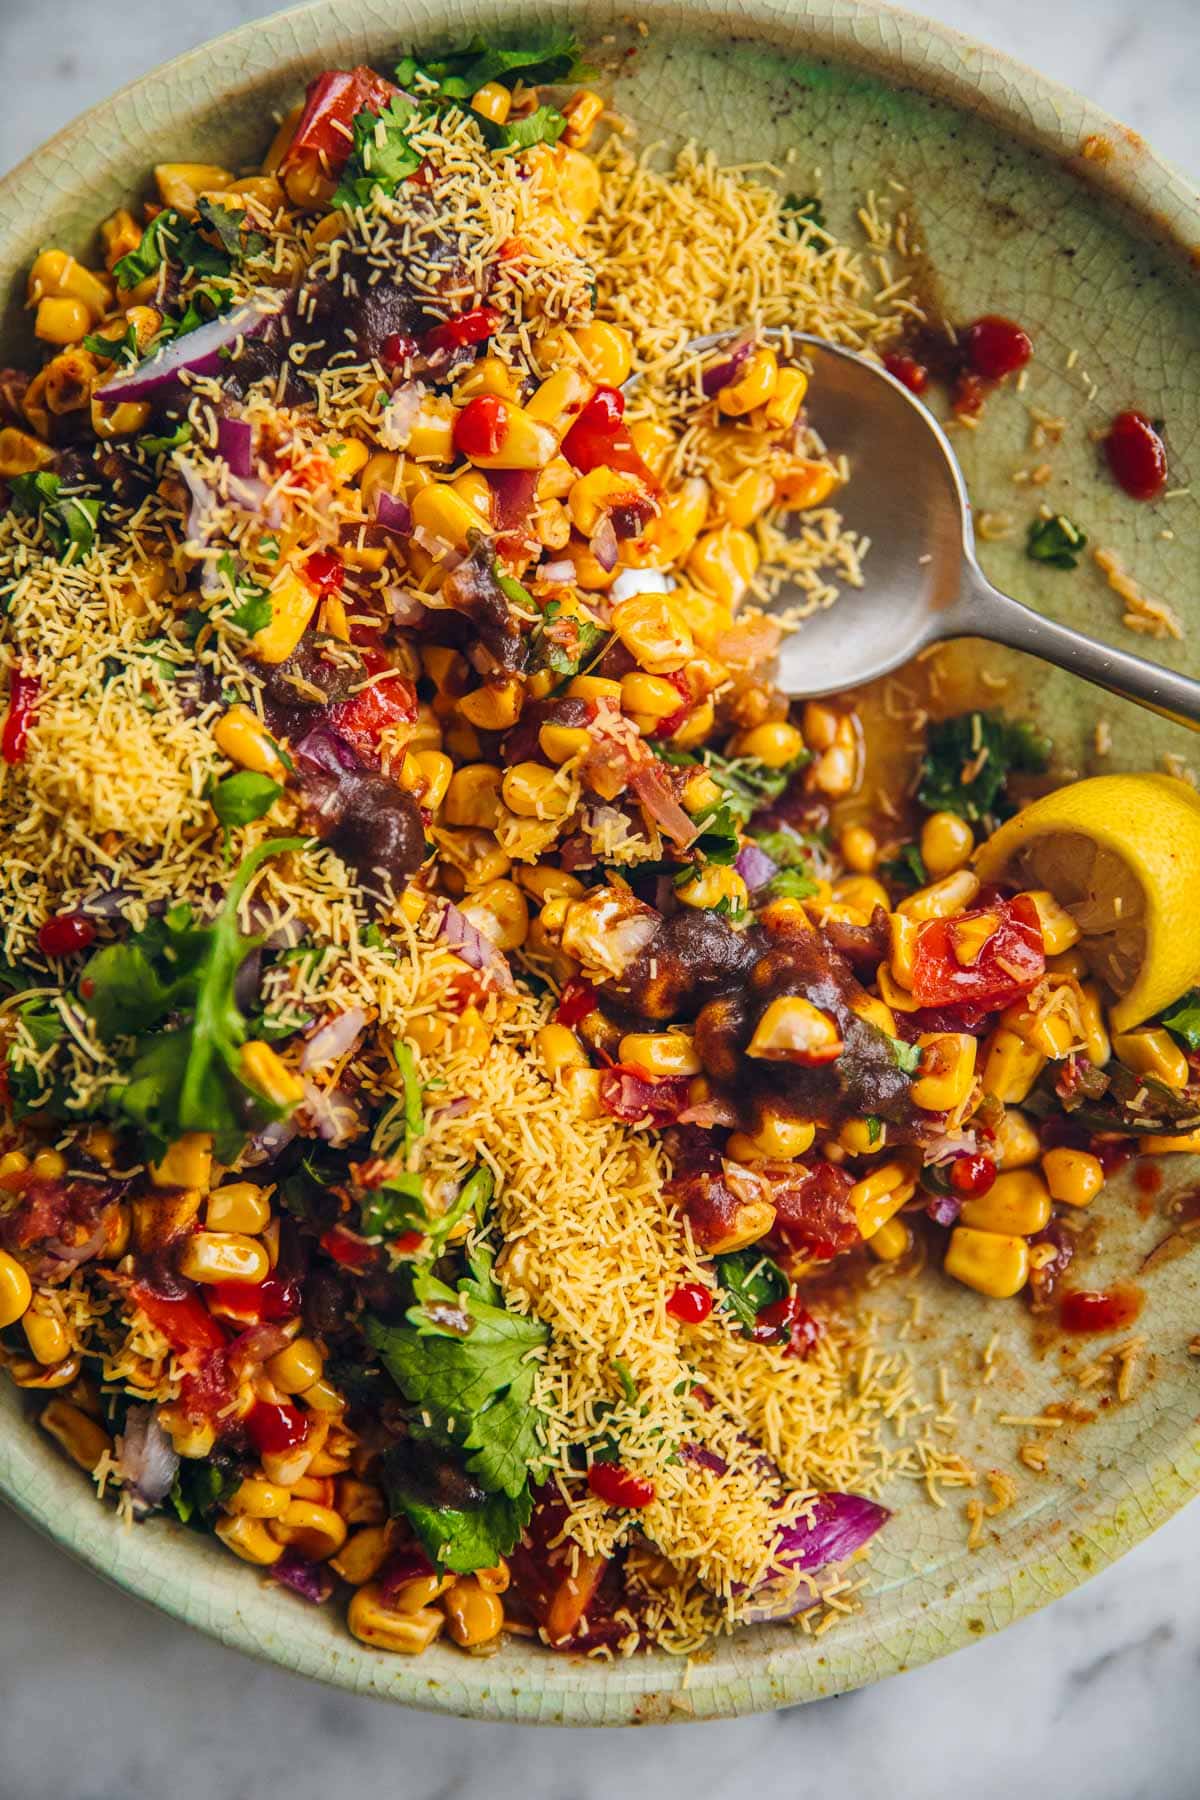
(256, 1345)
(145, 1461)
(326, 750)
(235, 442)
(331, 1042)
(476, 950)
(631, 582)
(833, 1529)
(312, 1581)
(652, 791)
(704, 1458)
(268, 1143)
(394, 514)
(943, 1209)
(719, 375)
(401, 1567)
(196, 353)
(77, 1253)
(404, 608)
(603, 544)
(754, 866)
(560, 571)
(199, 522)
(331, 1113)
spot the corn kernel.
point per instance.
(255, 1498)
(560, 743)
(752, 1221)
(881, 1194)
(21, 453)
(660, 1052)
(652, 696)
(406, 1633)
(241, 735)
(533, 791)
(892, 1241)
(59, 276)
(262, 1069)
(249, 1539)
(84, 1441)
(209, 1256)
(946, 843)
(792, 1028)
(493, 100)
(187, 1163)
(293, 603)
(947, 1070)
(991, 1263)
(499, 909)
(1010, 1066)
(473, 796)
(558, 1049)
(16, 1290)
(46, 1336)
(723, 562)
(1017, 1204)
(180, 184)
(1153, 1051)
(363, 1555)
(582, 112)
(496, 705)
(754, 385)
(239, 1206)
(1017, 1142)
(941, 899)
(804, 483)
(783, 408)
(1059, 930)
(296, 1368)
(62, 320)
(713, 884)
(316, 1532)
(1073, 1177)
(582, 1087)
(473, 1616)
(775, 744)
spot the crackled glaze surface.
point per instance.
(1030, 203)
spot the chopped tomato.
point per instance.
(364, 717)
(666, 728)
(186, 1324)
(559, 1587)
(619, 1487)
(628, 1094)
(396, 348)
(472, 327)
(576, 1001)
(326, 570)
(813, 1211)
(332, 103)
(348, 1250)
(274, 1298)
(1009, 962)
(65, 933)
(599, 438)
(23, 691)
(907, 370)
(481, 426)
(789, 1325)
(273, 1427)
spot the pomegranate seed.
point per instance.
(619, 1487)
(972, 1175)
(690, 1304)
(1137, 456)
(907, 370)
(996, 347)
(65, 934)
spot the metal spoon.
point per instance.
(922, 582)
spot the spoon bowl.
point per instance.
(921, 580)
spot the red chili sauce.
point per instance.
(1137, 456)
(981, 355)
(1108, 1310)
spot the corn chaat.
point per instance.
(460, 1020)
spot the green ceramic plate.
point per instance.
(1030, 203)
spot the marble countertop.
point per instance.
(101, 1699)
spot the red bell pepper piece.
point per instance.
(1009, 963)
(577, 1000)
(23, 691)
(186, 1324)
(600, 438)
(326, 571)
(332, 103)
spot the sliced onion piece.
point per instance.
(638, 581)
(754, 866)
(235, 442)
(393, 514)
(603, 544)
(719, 374)
(196, 353)
(476, 950)
(332, 1041)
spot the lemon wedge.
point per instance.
(1122, 854)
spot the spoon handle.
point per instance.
(983, 611)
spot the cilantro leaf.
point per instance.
(798, 213)
(747, 784)
(198, 1491)
(207, 300)
(227, 222)
(563, 641)
(908, 1056)
(718, 839)
(749, 1281)
(1055, 541)
(243, 797)
(465, 1362)
(122, 349)
(459, 1538)
(162, 446)
(69, 520)
(906, 868)
(253, 609)
(969, 758)
(382, 156)
(169, 237)
(545, 125)
(551, 54)
(1184, 1019)
(792, 884)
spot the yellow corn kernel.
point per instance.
(941, 899)
(49, 1165)
(487, 376)
(597, 493)
(1153, 1051)
(69, 379)
(653, 442)
(776, 743)
(248, 1538)
(159, 1219)
(241, 735)
(607, 352)
(189, 1438)
(1059, 930)
(363, 1555)
(947, 1070)
(84, 1441)
(783, 408)
(660, 1052)
(1017, 1141)
(752, 1221)
(180, 184)
(746, 498)
(562, 742)
(526, 443)
(1160, 1144)
(713, 884)
(859, 848)
(46, 1335)
(544, 882)
(239, 1206)
(16, 1290)
(13, 1162)
(432, 436)
(293, 603)
(792, 1027)
(472, 486)
(946, 843)
(557, 403)
(784, 916)
(696, 728)
(120, 420)
(473, 797)
(594, 687)
(406, 1633)
(21, 453)
(445, 514)
(495, 1580)
(1010, 1066)
(211, 1256)
(1053, 1033)
(334, 1459)
(473, 1615)
(296, 1368)
(861, 893)
(493, 100)
(990, 1262)
(323, 1397)
(61, 319)
(499, 909)
(892, 1241)
(427, 775)
(533, 791)
(863, 1137)
(559, 1049)
(255, 1498)
(475, 854)
(262, 1069)
(496, 705)
(582, 1087)
(881, 1194)
(27, 1372)
(654, 634)
(804, 483)
(653, 696)
(1017, 1204)
(381, 474)
(421, 1591)
(754, 385)
(316, 1532)
(360, 1502)
(56, 275)
(582, 112)
(781, 1135)
(1073, 1177)
(187, 1163)
(681, 517)
(120, 233)
(1091, 1021)
(723, 561)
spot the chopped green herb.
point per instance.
(749, 1281)
(244, 797)
(799, 213)
(122, 349)
(968, 760)
(1184, 1019)
(561, 642)
(198, 1491)
(545, 125)
(169, 237)
(792, 884)
(906, 868)
(162, 446)
(747, 784)
(908, 1056)
(229, 224)
(457, 73)
(69, 520)
(1055, 541)
(382, 156)
(874, 1128)
(718, 840)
